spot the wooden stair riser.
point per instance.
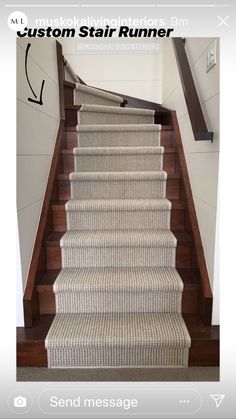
(167, 137)
(71, 117)
(31, 354)
(69, 94)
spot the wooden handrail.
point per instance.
(196, 116)
(61, 79)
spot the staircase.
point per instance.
(122, 285)
(118, 295)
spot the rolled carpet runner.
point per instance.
(118, 294)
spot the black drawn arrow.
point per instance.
(36, 100)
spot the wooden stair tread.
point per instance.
(54, 238)
(167, 128)
(73, 107)
(183, 237)
(69, 84)
(189, 275)
(199, 332)
(48, 279)
(38, 332)
(59, 205)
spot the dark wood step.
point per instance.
(191, 279)
(204, 351)
(205, 348)
(167, 136)
(173, 187)
(189, 301)
(70, 84)
(31, 350)
(68, 92)
(184, 252)
(59, 216)
(177, 215)
(71, 115)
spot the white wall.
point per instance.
(135, 73)
(202, 156)
(36, 133)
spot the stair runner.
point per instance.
(118, 295)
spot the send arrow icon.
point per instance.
(218, 399)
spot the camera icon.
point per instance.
(20, 401)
